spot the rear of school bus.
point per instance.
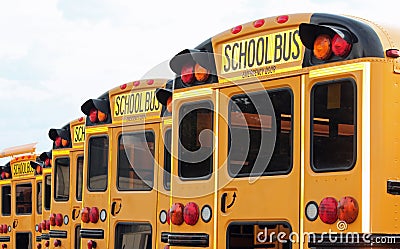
(67, 157)
(6, 239)
(121, 171)
(43, 225)
(300, 138)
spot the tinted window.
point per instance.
(61, 172)
(196, 140)
(167, 159)
(23, 196)
(47, 192)
(79, 178)
(131, 235)
(333, 125)
(136, 161)
(6, 200)
(39, 192)
(98, 163)
(260, 128)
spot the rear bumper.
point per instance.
(354, 240)
(186, 239)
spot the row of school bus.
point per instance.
(284, 133)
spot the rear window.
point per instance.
(61, 173)
(39, 192)
(23, 197)
(196, 140)
(133, 235)
(47, 192)
(98, 164)
(6, 200)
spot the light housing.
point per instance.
(311, 211)
(85, 215)
(97, 110)
(103, 215)
(94, 215)
(176, 213)
(191, 213)
(59, 219)
(163, 217)
(52, 219)
(348, 209)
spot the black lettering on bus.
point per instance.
(242, 54)
(260, 51)
(251, 53)
(266, 51)
(287, 46)
(297, 54)
(278, 48)
(234, 65)
(227, 66)
(147, 102)
(131, 101)
(118, 109)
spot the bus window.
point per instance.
(6, 200)
(333, 116)
(98, 163)
(39, 197)
(251, 129)
(196, 140)
(47, 192)
(23, 196)
(167, 159)
(61, 174)
(136, 161)
(131, 235)
(79, 178)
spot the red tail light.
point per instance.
(5, 228)
(38, 246)
(47, 243)
(85, 215)
(47, 162)
(57, 243)
(169, 216)
(94, 215)
(39, 227)
(328, 210)
(47, 225)
(93, 115)
(53, 219)
(57, 142)
(191, 213)
(59, 220)
(187, 74)
(176, 213)
(340, 47)
(91, 244)
(348, 209)
(1, 229)
(43, 225)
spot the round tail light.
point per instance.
(47, 225)
(340, 47)
(93, 115)
(328, 210)
(94, 215)
(43, 225)
(85, 215)
(348, 209)
(4, 228)
(59, 220)
(47, 243)
(191, 213)
(322, 47)
(39, 227)
(176, 213)
(91, 244)
(53, 219)
(187, 76)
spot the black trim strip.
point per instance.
(393, 187)
(58, 234)
(186, 239)
(354, 240)
(38, 238)
(92, 233)
(45, 236)
(5, 239)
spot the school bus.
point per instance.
(19, 204)
(124, 167)
(66, 183)
(285, 136)
(42, 168)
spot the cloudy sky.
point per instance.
(55, 54)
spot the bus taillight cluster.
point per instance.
(90, 215)
(179, 213)
(330, 210)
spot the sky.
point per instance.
(56, 54)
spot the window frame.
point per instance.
(166, 174)
(64, 199)
(39, 211)
(16, 196)
(89, 163)
(355, 117)
(2, 200)
(275, 173)
(77, 178)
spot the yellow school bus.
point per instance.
(67, 161)
(123, 168)
(19, 203)
(285, 136)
